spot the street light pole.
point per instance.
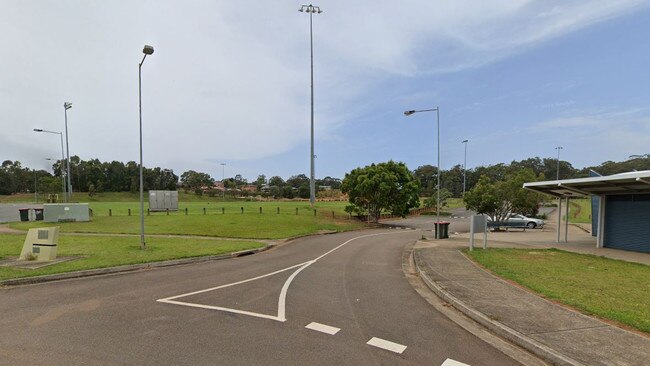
(66, 106)
(437, 110)
(558, 162)
(465, 166)
(62, 159)
(148, 50)
(312, 185)
(223, 180)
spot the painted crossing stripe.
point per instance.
(387, 345)
(322, 328)
(450, 362)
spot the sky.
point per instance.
(229, 82)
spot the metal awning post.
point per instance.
(566, 221)
(559, 218)
(600, 235)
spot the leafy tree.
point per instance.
(303, 190)
(501, 198)
(91, 190)
(260, 181)
(276, 181)
(192, 180)
(384, 186)
(298, 180)
(328, 181)
(427, 175)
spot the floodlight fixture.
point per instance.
(148, 50)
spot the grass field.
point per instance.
(604, 287)
(580, 211)
(209, 216)
(104, 251)
(231, 225)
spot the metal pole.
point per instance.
(62, 176)
(143, 245)
(471, 232)
(66, 106)
(465, 167)
(566, 221)
(312, 186)
(439, 173)
(558, 162)
(559, 218)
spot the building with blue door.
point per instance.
(621, 206)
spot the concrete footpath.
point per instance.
(557, 334)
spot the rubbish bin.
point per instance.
(24, 214)
(39, 214)
(442, 230)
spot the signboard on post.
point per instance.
(478, 224)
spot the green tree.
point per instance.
(192, 180)
(384, 186)
(498, 199)
(427, 175)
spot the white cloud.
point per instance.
(230, 80)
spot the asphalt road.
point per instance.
(352, 282)
(458, 221)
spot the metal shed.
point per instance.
(163, 200)
(623, 216)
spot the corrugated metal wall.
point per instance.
(627, 222)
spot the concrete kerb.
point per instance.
(496, 327)
(127, 268)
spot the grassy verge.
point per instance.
(604, 287)
(580, 211)
(103, 251)
(231, 225)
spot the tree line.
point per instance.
(96, 176)
(543, 168)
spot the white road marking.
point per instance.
(282, 299)
(387, 345)
(322, 328)
(450, 362)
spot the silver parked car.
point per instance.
(516, 220)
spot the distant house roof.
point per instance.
(624, 183)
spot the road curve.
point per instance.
(333, 299)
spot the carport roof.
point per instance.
(624, 183)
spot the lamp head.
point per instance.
(408, 113)
(148, 50)
(67, 105)
(464, 141)
(38, 130)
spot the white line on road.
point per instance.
(283, 293)
(322, 328)
(387, 345)
(450, 362)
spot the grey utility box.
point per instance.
(66, 212)
(163, 200)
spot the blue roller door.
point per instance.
(627, 222)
